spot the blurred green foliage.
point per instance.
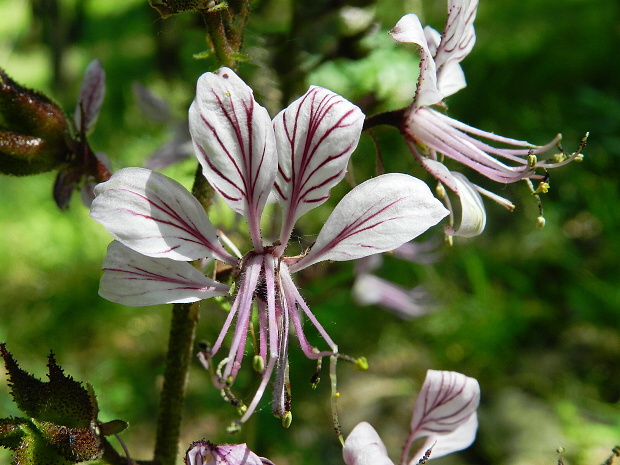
(532, 314)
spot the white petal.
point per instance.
(315, 137)
(364, 447)
(451, 79)
(444, 444)
(472, 212)
(91, 97)
(133, 279)
(457, 41)
(409, 30)
(155, 216)
(234, 141)
(378, 215)
(445, 403)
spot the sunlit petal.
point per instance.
(459, 439)
(457, 41)
(446, 404)
(363, 446)
(234, 142)
(409, 30)
(378, 215)
(133, 279)
(472, 212)
(155, 216)
(315, 136)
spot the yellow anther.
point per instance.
(361, 364)
(287, 419)
(234, 427)
(558, 158)
(540, 222)
(532, 160)
(542, 188)
(258, 363)
(440, 191)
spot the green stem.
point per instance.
(215, 23)
(180, 348)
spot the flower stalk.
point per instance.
(180, 344)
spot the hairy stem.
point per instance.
(182, 333)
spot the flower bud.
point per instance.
(33, 130)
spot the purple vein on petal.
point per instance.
(177, 221)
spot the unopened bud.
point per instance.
(540, 222)
(33, 130)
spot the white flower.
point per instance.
(431, 135)
(246, 157)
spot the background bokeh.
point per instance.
(532, 314)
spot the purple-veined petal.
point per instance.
(206, 453)
(378, 215)
(133, 279)
(315, 137)
(363, 446)
(445, 404)
(155, 216)
(91, 97)
(234, 142)
(459, 439)
(409, 30)
(457, 41)
(450, 79)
